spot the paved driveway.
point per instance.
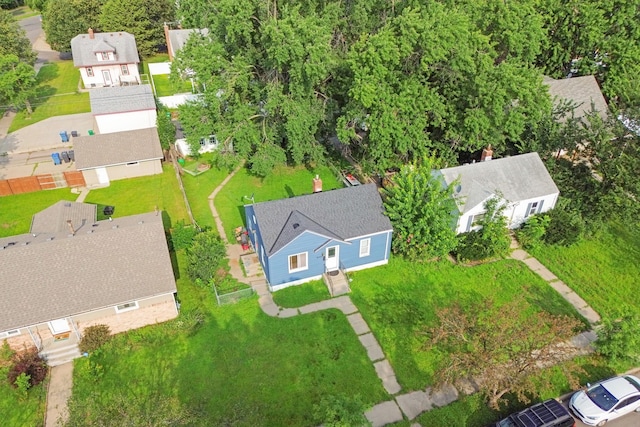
(27, 151)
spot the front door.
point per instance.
(332, 258)
(106, 75)
(59, 326)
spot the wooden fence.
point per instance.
(47, 181)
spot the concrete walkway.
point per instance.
(58, 393)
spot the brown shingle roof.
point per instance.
(117, 148)
(108, 264)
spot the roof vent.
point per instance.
(90, 231)
(49, 239)
(67, 205)
(115, 226)
(140, 222)
(296, 225)
(25, 243)
(11, 243)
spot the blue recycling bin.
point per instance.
(64, 136)
(56, 158)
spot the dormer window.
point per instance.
(105, 56)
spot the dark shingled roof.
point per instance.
(121, 99)
(581, 91)
(54, 218)
(178, 38)
(53, 275)
(337, 214)
(520, 177)
(84, 48)
(117, 148)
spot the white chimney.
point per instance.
(487, 154)
(317, 184)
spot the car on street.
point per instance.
(606, 400)
(549, 413)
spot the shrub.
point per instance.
(619, 339)
(340, 411)
(30, 363)
(205, 256)
(23, 385)
(182, 235)
(6, 355)
(531, 232)
(94, 337)
(471, 247)
(565, 226)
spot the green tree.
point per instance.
(13, 40)
(17, 82)
(502, 347)
(142, 18)
(619, 338)
(205, 256)
(492, 239)
(421, 210)
(39, 5)
(65, 19)
(166, 129)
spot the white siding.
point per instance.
(120, 122)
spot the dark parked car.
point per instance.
(549, 413)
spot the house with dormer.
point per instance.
(106, 59)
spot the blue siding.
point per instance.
(256, 238)
(315, 246)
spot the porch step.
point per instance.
(61, 355)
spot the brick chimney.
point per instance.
(71, 229)
(91, 36)
(487, 153)
(317, 184)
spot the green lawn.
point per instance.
(16, 211)
(165, 87)
(240, 367)
(283, 182)
(23, 12)
(603, 270)
(18, 411)
(160, 57)
(399, 300)
(198, 189)
(56, 95)
(144, 194)
(297, 296)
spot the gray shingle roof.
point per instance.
(121, 99)
(338, 214)
(54, 218)
(100, 266)
(581, 91)
(520, 177)
(84, 48)
(116, 148)
(178, 38)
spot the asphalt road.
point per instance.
(33, 27)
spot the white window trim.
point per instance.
(89, 71)
(124, 69)
(306, 266)
(12, 333)
(135, 306)
(364, 253)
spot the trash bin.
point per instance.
(90, 131)
(72, 155)
(181, 161)
(74, 133)
(56, 158)
(64, 136)
(65, 157)
(108, 210)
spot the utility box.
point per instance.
(56, 158)
(64, 136)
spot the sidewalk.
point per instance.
(58, 393)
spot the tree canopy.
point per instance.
(65, 19)
(13, 40)
(17, 82)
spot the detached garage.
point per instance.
(109, 157)
(123, 108)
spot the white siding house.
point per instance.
(106, 59)
(124, 108)
(522, 181)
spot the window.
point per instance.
(125, 69)
(297, 262)
(8, 334)
(477, 219)
(127, 307)
(533, 208)
(365, 247)
(105, 56)
(202, 142)
(89, 71)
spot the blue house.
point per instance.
(325, 233)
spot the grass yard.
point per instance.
(161, 57)
(603, 270)
(198, 189)
(297, 296)
(16, 210)
(239, 367)
(23, 12)
(398, 300)
(165, 87)
(283, 182)
(19, 411)
(56, 95)
(144, 194)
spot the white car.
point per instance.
(607, 400)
